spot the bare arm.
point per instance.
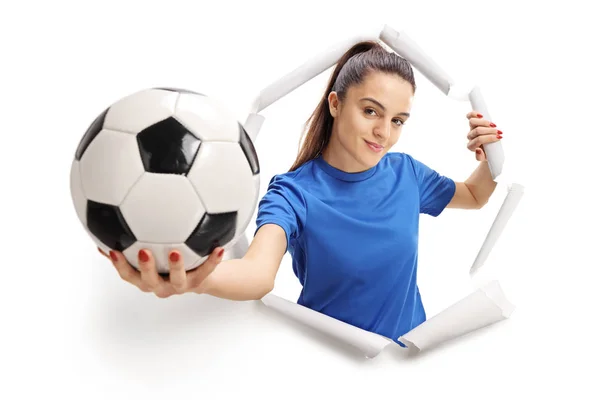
(252, 276)
(476, 191)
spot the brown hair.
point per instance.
(351, 69)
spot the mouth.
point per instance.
(374, 146)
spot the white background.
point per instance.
(71, 327)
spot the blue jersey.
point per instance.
(353, 237)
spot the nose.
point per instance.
(382, 130)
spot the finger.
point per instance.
(480, 130)
(474, 114)
(149, 274)
(198, 275)
(476, 119)
(177, 273)
(125, 270)
(165, 291)
(475, 122)
(103, 253)
(480, 154)
(481, 140)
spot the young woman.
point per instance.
(347, 210)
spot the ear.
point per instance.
(334, 104)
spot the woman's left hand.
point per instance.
(481, 132)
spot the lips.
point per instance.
(374, 146)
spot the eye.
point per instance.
(398, 121)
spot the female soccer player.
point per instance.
(347, 211)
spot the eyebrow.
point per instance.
(381, 105)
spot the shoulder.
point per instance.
(291, 180)
(400, 161)
(401, 157)
(405, 160)
(284, 202)
(289, 188)
(396, 157)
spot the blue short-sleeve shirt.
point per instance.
(353, 237)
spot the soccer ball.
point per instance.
(165, 169)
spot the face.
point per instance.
(369, 121)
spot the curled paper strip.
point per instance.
(407, 48)
(368, 343)
(485, 306)
(494, 151)
(511, 201)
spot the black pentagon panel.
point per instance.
(106, 222)
(249, 150)
(167, 147)
(178, 90)
(214, 230)
(90, 134)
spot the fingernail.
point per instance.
(479, 116)
(174, 256)
(499, 132)
(499, 136)
(220, 253)
(493, 125)
(113, 255)
(143, 256)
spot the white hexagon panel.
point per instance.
(110, 167)
(207, 118)
(140, 110)
(148, 166)
(225, 181)
(162, 208)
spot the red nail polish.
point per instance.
(174, 256)
(220, 253)
(493, 125)
(499, 132)
(479, 116)
(113, 255)
(499, 136)
(143, 256)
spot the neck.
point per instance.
(336, 156)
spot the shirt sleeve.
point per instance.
(283, 204)
(435, 189)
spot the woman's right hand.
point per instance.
(179, 281)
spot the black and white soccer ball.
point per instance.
(165, 169)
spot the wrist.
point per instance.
(203, 287)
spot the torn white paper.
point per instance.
(485, 306)
(512, 199)
(367, 342)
